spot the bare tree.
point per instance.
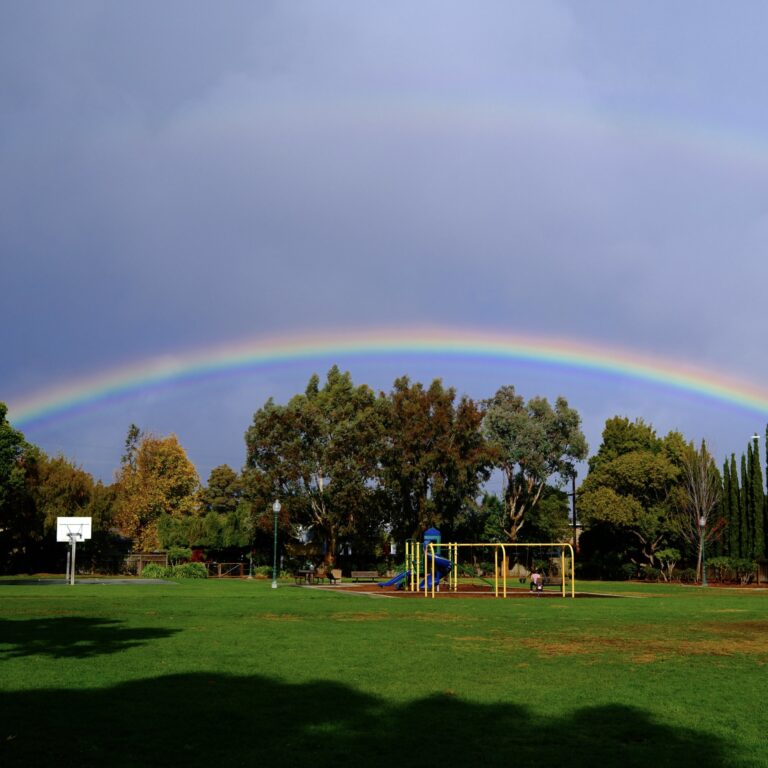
(703, 486)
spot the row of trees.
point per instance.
(356, 469)
(350, 466)
(652, 502)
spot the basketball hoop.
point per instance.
(72, 529)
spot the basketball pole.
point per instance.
(73, 542)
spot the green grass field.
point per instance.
(234, 673)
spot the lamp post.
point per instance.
(702, 528)
(276, 509)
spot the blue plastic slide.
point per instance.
(442, 569)
(395, 579)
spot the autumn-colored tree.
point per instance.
(156, 478)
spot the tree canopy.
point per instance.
(532, 442)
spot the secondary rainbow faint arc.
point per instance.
(255, 353)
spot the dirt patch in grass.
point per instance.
(280, 617)
(361, 616)
(742, 638)
(740, 629)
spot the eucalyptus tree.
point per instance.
(434, 457)
(532, 443)
(320, 454)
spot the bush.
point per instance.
(189, 571)
(155, 571)
(687, 575)
(628, 571)
(721, 569)
(263, 571)
(651, 574)
(177, 554)
(745, 569)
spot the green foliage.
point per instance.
(651, 574)
(743, 568)
(629, 571)
(155, 571)
(20, 528)
(532, 442)
(189, 571)
(177, 554)
(434, 458)
(320, 453)
(633, 487)
(178, 571)
(687, 575)
(669, 558)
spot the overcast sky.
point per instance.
(177, 175)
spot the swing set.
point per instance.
(426, 569)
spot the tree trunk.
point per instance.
(699, 559)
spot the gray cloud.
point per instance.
(179, 174)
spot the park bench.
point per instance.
(365, 575)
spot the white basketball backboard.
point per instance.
(80, 526)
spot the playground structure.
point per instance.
(425, 568)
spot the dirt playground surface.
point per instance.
(463, 590)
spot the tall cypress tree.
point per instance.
(765, 500)
(725, 542)
(734, 507)
(745, 545)
(757, 502)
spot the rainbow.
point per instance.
(259, 353)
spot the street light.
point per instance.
(276, 509)
(702, 526)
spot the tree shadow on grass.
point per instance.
(217, 720)
(71, 637)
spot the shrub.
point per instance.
(189, 571)
(687, 575)
(179, 554)
(745, 569)
(155, 571)
(651, 574)
(263, 571)
(628, 571)
(721, 569)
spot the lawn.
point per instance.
(233, 673)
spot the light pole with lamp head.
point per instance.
(702, 528)
(276, 509)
